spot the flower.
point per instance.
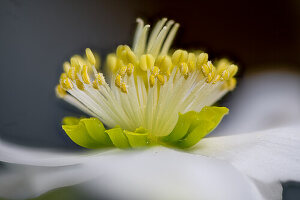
(243, 166)
(148, 87)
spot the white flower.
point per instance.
(242, 166)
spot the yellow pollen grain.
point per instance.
(60, 92)
(161, 79)
(152, 80)
(205, 69)
(118, 80)
(95, 84)
(68, 84)
(90, 56)
(72, 73)
(123, 87)
(100, 78)
(184, 69)
(122, 70)
(155, 71)
(85, 75)
(79, 84)
(225, 75)
(216, 79)
(210, 77)
(130, 68)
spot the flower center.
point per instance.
(147, 86)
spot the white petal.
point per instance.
(12, 153)
(268, 156)
(262, 101)
(155, 173)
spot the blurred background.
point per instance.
(36, 37)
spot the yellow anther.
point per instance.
(152, 80)
(232, 70)
(66, 66)
(60, 92)
(146, 62)
(184, 69)
(201, 60)
(79, 84)
(210, 77)
(205, 70)
(125, 54)
(225, 75)
(130, 68)
(95, 84)
(74, 62)
(161, 79)
(100, 78)
(164, 63)
(120, 49)
(72, 73)
(85, 75)
(67, 83)
(123, 87)
(155, 71)
(118, 80)
(79, 60)
(63, 76)
(122, 70)
(216, 79)
(179, 56)
(231, 84)
(191, 62)
(90, 56)
(111, 62)
(222, 65)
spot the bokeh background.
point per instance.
(36, 37)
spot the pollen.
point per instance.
(147, 83)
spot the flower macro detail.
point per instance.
(149, 94)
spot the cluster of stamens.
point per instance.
(149, 77)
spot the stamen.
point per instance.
(79, 84)
(146, 62)
(191, 62)
(152, 80)
(85, 75)
(201, 60)
(66, 66)
(118, 80)
(60, 92)
(155, 71)
(124, 87)
(161, 79)
(158, 85)
(130, 68)
(179, 56)
(122, 70)
(164, 63)
(67, 83)
(184, 69)
(90, 56)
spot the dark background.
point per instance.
(37, 36)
